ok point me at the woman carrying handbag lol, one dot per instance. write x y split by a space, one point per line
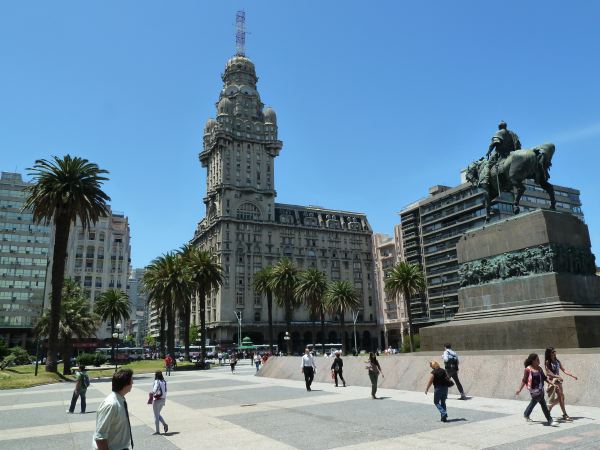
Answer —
158 398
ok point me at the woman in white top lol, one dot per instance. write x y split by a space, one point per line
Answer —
159 391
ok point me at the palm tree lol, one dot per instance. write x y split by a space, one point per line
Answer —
113 306
406 279
261 285
152 285
311 288
75 320
284 277
206 275
62 191
340 297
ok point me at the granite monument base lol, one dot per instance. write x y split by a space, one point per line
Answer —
525 282
565 329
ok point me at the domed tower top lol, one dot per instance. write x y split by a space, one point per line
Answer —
270 116
224 106
240 70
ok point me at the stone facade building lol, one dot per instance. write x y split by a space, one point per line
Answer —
432 226
247 230
392 311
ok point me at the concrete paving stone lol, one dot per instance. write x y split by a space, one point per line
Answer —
49 415
142 439
245 397
581 437
351 422
199 384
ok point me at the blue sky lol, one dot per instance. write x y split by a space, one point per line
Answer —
375 104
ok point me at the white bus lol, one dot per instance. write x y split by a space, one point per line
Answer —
329 348
211 351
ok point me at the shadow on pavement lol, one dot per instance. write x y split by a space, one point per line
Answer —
462 419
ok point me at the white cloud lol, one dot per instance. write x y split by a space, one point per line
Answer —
578 134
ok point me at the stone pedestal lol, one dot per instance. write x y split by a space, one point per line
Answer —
526 282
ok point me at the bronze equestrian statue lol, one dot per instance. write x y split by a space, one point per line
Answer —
510 170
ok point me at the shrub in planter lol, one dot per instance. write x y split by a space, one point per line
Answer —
87 359
21 356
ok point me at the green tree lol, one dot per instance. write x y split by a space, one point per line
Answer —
152 285
342 296
62 191
408 280
150 341
284 277
113 306
261 284
206 276
76 320
311 288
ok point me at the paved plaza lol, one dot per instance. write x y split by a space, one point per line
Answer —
217 409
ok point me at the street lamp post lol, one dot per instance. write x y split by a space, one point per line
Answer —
238 315
355 318
287 338
443 298
116 333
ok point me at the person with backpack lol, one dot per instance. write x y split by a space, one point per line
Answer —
451 365
159 394
82 382
337 369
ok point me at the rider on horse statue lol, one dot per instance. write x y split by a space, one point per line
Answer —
504 142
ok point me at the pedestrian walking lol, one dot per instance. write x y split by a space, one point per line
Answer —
168 364
534 378
257 361
337 369
451 365
113 429
441 382
232 362
159 393
82 382
555 391
309 369
374 370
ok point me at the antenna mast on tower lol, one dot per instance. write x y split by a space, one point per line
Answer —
240 33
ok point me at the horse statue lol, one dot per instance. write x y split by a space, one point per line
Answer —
508 175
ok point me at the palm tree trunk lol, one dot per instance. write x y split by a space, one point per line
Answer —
343 332
202 308
409 317
61 239
112 337
186 330
323 331
161 333
170 330
66 354
288 322
270 319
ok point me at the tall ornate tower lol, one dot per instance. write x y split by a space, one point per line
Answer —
240 146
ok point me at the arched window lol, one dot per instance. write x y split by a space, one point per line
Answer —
248 211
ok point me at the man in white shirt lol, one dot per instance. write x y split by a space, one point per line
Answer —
308 368
113 429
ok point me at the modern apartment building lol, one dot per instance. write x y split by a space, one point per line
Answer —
24 249
247 230
431 227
